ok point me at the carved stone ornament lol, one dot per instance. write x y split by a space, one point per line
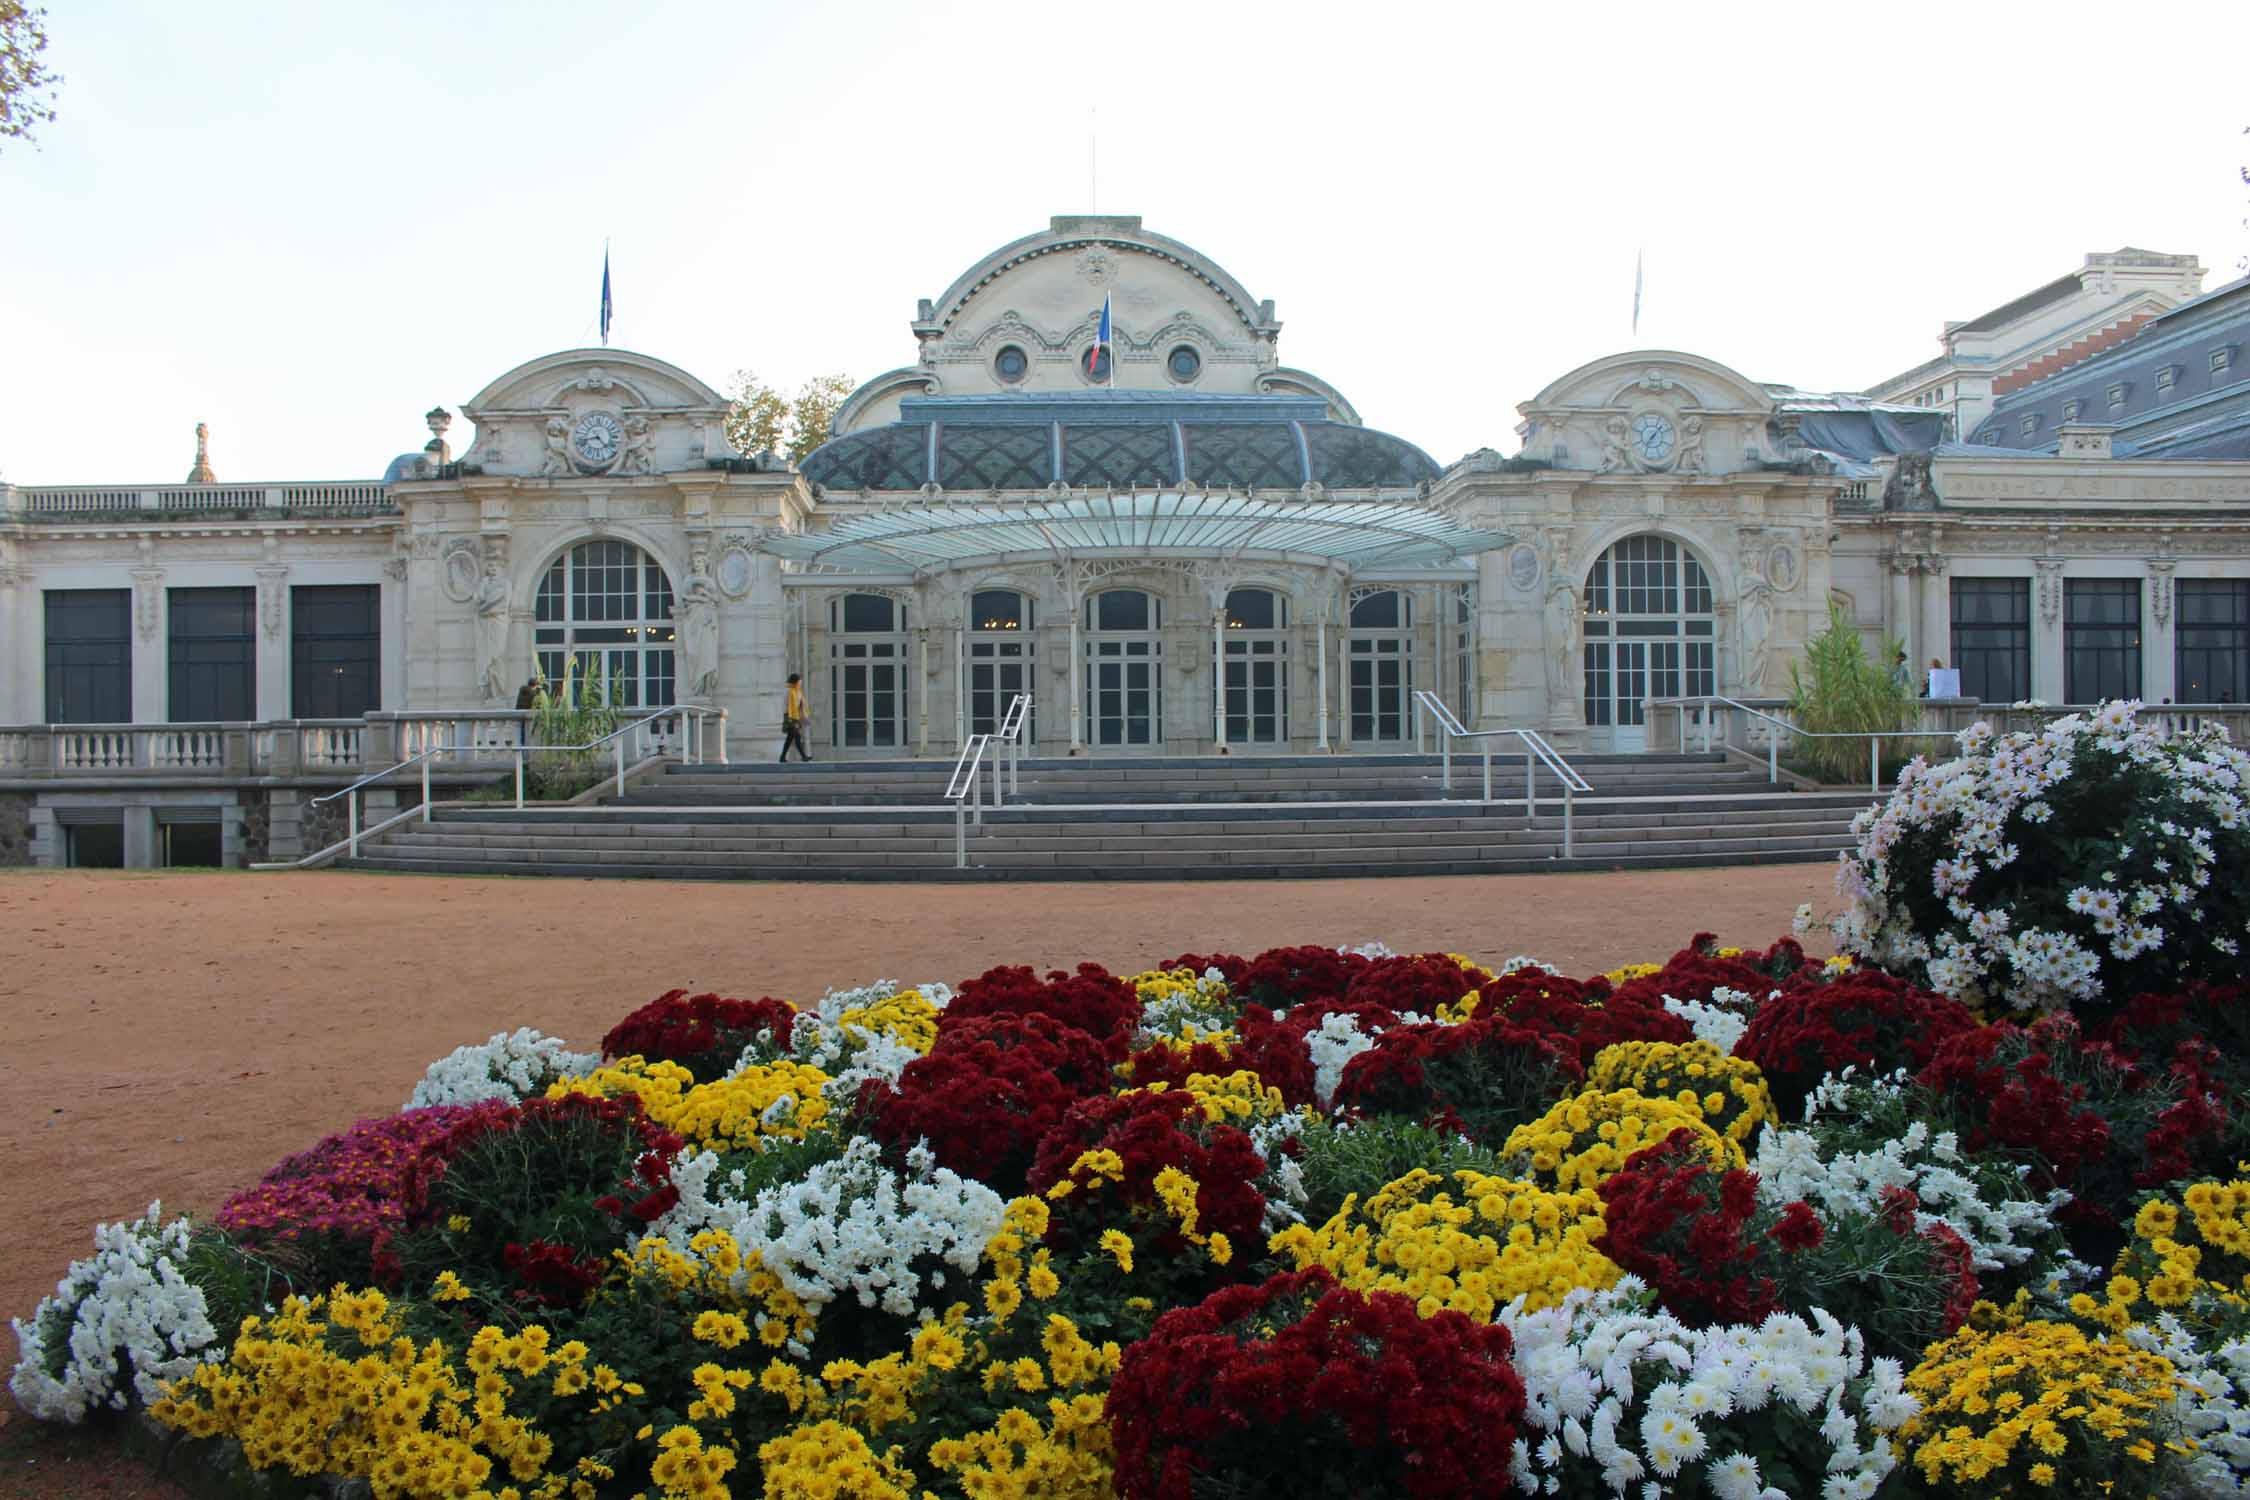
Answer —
2050 589
1097 265
1524 570
148 598
462 570
2160 589
1784 570
270 599
395 569
734 571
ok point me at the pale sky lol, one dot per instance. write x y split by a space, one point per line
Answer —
308 223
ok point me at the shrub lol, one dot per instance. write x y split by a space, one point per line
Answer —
2072 868
1340 1159
1300 1387
1864 1019
1480 1079
1092 999
702 1033
988 1092
1835 689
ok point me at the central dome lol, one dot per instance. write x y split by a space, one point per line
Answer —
1122 439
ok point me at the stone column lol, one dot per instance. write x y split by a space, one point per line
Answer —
1219 677
151 671
922 689
1937 617
18 678
2047 676
1320 676
961 682
272 671
2159 659
757 722
1900 619
1077 680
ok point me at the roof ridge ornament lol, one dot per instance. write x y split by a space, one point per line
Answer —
201 473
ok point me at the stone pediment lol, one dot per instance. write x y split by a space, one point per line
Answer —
1649 411
586 412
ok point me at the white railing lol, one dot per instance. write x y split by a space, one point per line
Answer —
72 500
1536 753
691 737
1735 716
166 747
1747 729
966 788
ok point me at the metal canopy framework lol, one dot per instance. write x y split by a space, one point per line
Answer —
1352 535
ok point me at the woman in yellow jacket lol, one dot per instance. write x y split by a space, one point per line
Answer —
793 720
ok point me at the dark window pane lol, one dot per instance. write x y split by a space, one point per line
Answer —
335 651
868 613
999 609
1992 638
89 656
1378 612
214 655
1253 609
2101 639
2212 651
1122 609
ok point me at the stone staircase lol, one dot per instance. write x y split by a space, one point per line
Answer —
1237 817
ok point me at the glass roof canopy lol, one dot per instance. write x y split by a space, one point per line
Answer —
1161 524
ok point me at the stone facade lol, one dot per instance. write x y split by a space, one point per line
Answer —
1666 526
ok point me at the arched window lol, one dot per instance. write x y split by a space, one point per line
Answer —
608 601
1650 632
1125 667
1379 652
1257 658
866 671
1001 654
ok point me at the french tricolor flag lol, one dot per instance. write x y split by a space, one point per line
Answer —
1102 345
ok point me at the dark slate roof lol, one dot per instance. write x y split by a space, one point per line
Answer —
2158 388
2030 302
1123 439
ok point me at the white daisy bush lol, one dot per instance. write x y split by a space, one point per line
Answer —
511 1067
851 1229
125 1322
1623 1399
2066 869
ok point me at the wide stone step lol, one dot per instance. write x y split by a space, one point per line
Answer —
1356 864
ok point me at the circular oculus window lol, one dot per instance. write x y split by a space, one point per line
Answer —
1011 364
1184 363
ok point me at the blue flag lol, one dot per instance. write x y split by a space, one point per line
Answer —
605 294
1102 346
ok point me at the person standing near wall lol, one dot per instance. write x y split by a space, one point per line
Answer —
793 720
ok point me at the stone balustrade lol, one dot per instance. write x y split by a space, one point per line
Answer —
109 502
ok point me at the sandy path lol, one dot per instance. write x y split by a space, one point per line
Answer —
175 1034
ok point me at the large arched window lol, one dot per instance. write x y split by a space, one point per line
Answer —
1001 654
867 671
1257 657
1125 667
1650 632
1379 656
608 602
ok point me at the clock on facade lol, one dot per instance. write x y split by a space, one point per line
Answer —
597 438
1653 439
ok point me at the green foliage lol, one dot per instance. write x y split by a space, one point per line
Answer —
26 87
762 420
1339 1160
1837 690
578 710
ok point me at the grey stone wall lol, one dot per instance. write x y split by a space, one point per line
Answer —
15 828
257 825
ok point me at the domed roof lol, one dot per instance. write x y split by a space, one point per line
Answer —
1124 439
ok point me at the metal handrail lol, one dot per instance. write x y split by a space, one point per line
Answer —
1537 752
690 743
1704 703
965 789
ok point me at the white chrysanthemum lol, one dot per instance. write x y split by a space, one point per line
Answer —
512 1066
130 1320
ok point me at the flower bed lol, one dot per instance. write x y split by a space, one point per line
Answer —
1315 1221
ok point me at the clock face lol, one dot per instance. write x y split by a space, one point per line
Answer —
1652 438
597 437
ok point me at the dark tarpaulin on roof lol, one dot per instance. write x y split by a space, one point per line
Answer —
1869 435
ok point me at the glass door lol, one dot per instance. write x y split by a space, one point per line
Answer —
1257 667
1124 669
